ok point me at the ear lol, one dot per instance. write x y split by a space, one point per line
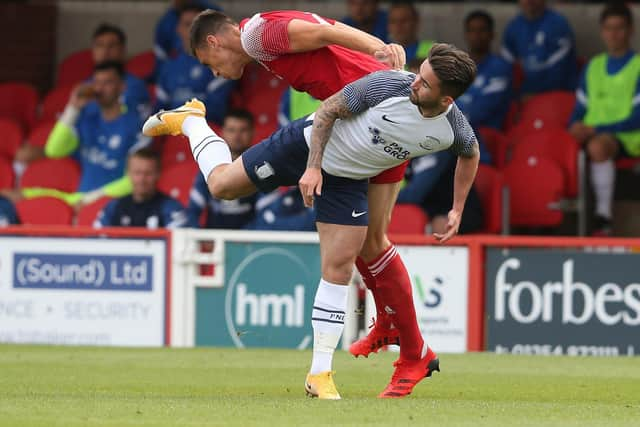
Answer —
446 101
212 41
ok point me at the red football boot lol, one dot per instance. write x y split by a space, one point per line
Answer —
408 373
377 338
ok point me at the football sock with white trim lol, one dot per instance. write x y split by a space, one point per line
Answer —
327 320
208 149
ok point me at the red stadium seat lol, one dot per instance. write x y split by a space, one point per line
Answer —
61 174
535 185
550 109
75 68
7 176
497 143
554 144
176 150
54 102
142 65
19 102
11 137
177 180
88 214
40 133
44 211
489 185
628 163
408 219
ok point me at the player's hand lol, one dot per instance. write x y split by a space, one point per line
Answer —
393 55
452 227
81 95
310 185
581 132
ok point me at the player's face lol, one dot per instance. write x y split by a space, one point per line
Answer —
478 35
238 133
403 25
218 55
184 25
362 10
532 8
107 86
425 89
616 34
107 47
144 175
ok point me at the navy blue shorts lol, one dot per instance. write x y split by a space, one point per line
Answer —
281 159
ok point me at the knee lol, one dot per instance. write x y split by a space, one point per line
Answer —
220 189
599 148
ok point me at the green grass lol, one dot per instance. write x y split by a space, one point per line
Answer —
61 386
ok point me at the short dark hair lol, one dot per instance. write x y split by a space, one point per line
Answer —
480 14
454 68
116 66
616 8
190 7
405 3
147 153
238 113
106 28
206 23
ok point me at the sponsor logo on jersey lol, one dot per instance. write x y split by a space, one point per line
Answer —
430 143
393 149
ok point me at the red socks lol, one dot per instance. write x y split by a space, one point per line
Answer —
370 282
394 298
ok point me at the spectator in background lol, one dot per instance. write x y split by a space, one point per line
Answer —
167 42
606 119
404 23
283 210
99 132
110 44
486 102
367 16
184 77
145 206
542 41
237 131
8 214
429 184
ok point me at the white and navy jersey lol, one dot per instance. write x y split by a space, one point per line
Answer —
388 129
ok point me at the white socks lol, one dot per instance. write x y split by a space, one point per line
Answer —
209 150
603 179
327 320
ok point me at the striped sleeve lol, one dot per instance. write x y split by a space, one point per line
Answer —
374 88
465 143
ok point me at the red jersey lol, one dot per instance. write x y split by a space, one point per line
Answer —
321 72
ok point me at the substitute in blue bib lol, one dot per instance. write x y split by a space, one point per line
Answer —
606 119
146 206
184 77
404 24
543 42
486 102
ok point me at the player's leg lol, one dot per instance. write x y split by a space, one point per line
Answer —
341 236
602 149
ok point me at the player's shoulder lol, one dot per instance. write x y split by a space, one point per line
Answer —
499 64
555 18
457 120
391 78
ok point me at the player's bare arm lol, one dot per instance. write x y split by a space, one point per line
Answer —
305 36
333 108
466 169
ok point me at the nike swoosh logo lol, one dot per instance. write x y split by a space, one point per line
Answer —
386 119
357 214
159 114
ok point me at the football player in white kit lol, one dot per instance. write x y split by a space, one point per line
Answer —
373 124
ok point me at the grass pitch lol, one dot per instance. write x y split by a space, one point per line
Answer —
62 386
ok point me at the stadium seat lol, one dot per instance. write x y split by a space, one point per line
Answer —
488 184
54 102
554 144
44 211
88 214
75 68
142 65
496 143
176 150
40 133
550 109
7 176
61 174
176 181
628 163
11 137
535 184
408 219
19 102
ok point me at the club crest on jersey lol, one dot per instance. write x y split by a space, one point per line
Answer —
430 143
264 171
375 136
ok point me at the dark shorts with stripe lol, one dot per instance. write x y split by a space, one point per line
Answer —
281 159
